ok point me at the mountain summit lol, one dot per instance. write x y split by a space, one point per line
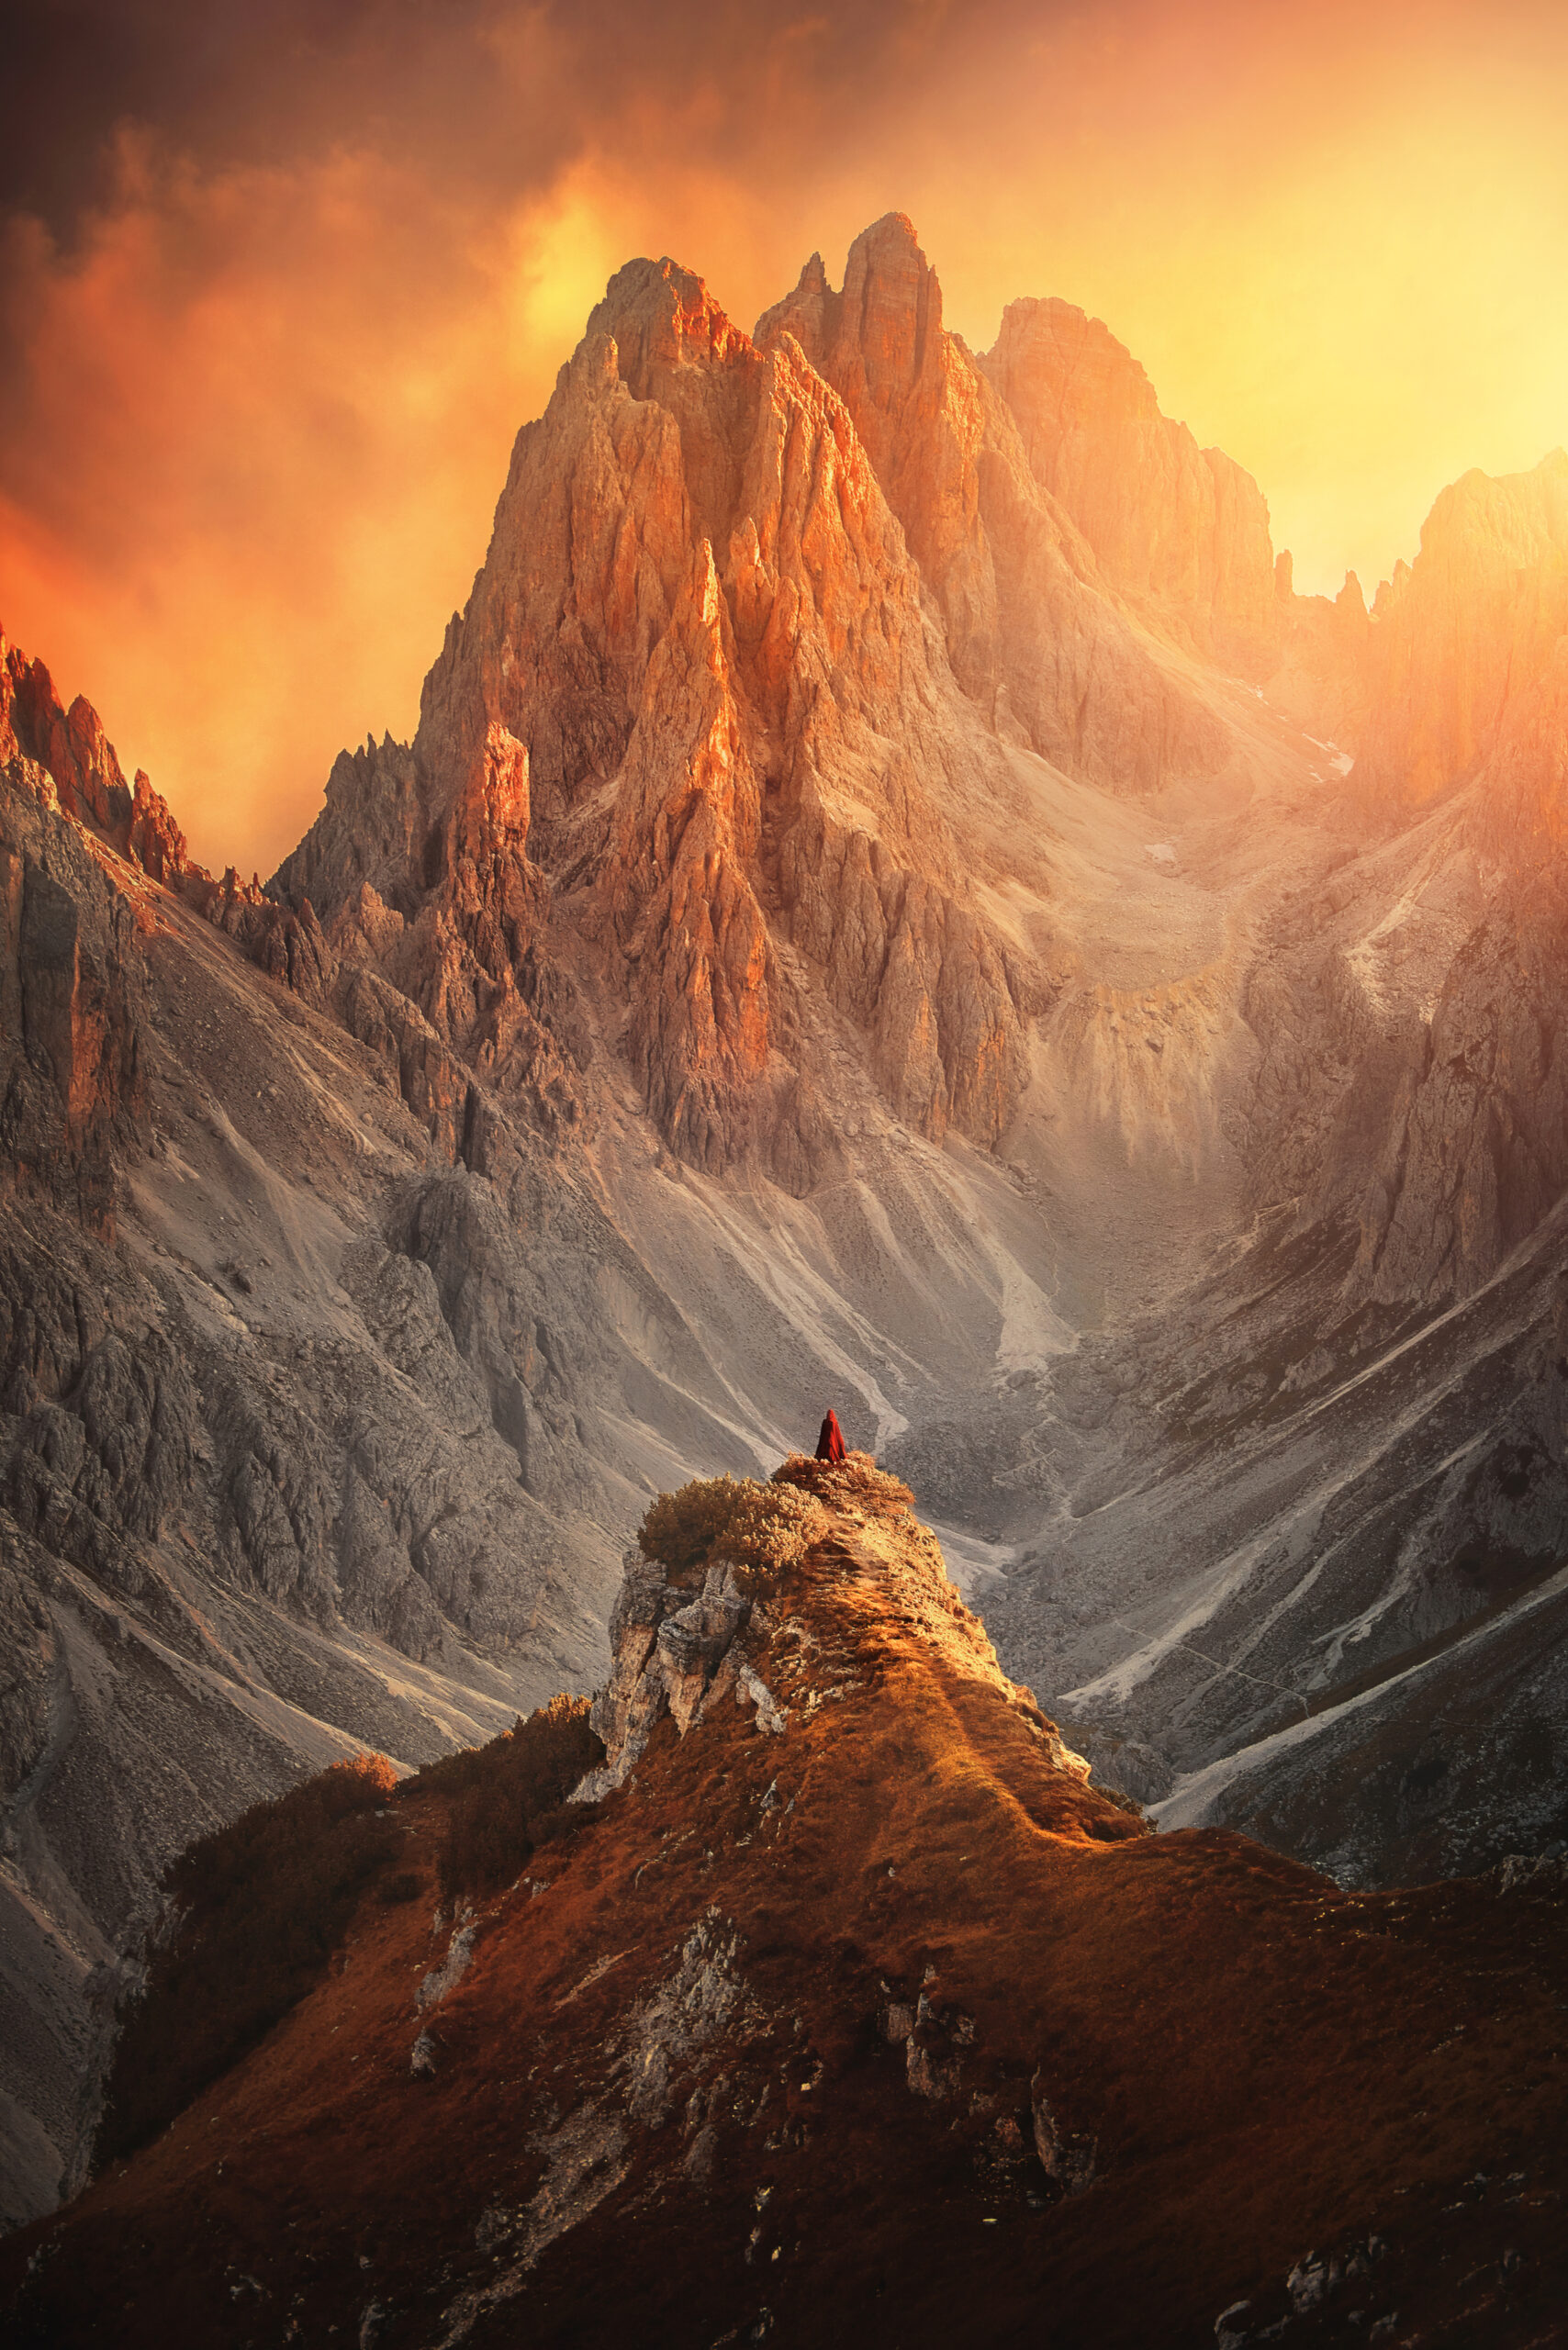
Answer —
756 767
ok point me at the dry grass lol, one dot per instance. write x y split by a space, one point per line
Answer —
507 1798
258 1909
855 1482
763 1528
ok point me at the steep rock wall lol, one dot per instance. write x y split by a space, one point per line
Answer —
1181 532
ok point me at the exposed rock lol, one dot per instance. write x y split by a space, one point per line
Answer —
665 1648
448 1975
1321 680
699 617
1181 532
1533 1873
1028 637
73 1002
65 762
1231 2327
693 1641
681 2018
751 1689
585 2161
1460 635
1066 2158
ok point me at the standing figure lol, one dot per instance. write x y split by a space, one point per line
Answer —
830 1444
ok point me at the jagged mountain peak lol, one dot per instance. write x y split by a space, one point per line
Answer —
701 618
1097 373
1181 532
1461 636
661 315
886 320
894 289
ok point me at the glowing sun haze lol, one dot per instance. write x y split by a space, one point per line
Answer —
278 285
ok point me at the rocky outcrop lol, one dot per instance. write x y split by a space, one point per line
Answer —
1031 635
1320 681
671 1650
72 1003
372 832
1182 533
64 762
73 749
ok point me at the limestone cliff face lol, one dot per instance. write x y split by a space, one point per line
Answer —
1432 984
1181 532
79 773
1526 802
733 740
1031 634
1461 633
71 1003
1411 1079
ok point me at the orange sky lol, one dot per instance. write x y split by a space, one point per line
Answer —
271 317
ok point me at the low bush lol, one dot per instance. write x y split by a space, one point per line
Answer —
763 1528
258 1909
506 1798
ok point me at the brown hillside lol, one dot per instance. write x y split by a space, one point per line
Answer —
879 2025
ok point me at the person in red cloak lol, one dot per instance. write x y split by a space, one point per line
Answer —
830 1444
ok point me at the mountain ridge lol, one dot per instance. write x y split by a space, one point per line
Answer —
855 1990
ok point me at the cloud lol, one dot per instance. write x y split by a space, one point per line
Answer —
259 419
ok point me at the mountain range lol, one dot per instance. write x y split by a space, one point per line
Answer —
894 901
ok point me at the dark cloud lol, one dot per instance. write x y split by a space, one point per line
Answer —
488 91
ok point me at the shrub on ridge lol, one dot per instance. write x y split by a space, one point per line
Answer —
762 1528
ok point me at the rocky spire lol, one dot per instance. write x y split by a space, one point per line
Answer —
1031 634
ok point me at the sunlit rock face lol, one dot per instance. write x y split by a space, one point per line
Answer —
701 629
1181 532
1031 635
1462 636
